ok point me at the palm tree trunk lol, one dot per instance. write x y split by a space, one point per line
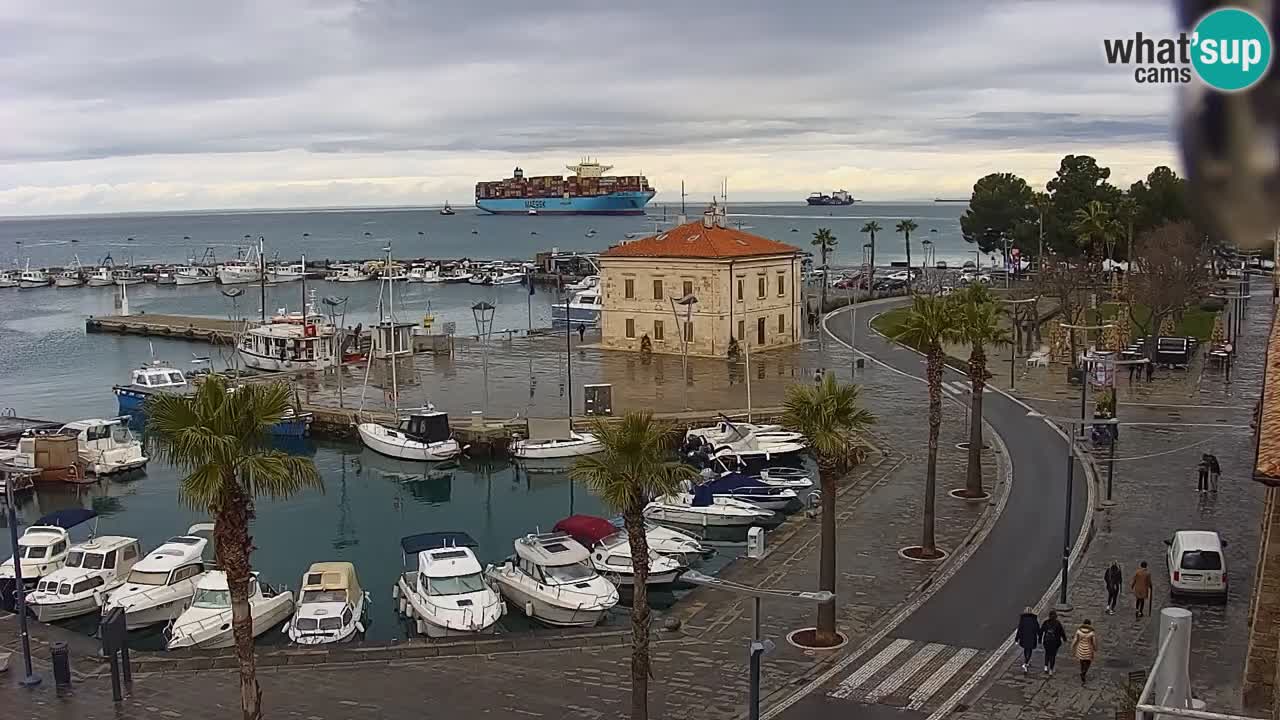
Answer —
978 381
633 521
934 362
909 278
823 309
871 272
826 627
231 529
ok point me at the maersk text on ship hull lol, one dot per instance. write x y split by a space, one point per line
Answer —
618 203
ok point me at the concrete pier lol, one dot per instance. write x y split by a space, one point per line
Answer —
189 327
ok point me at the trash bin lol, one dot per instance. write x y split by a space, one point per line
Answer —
61 658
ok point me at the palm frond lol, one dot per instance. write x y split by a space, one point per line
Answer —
276 475
633 466
827 414
930 322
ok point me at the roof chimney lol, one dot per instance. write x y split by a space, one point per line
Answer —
721 217
709 217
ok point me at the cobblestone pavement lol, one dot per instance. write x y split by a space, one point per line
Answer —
1154 486
698 673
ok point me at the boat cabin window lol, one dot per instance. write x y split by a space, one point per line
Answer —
187 572
331 623
175 378
129 552
324 596
119 433
89 561
97 432
64 589
110 564
140 379
456 585
88 584
347 616
619 561
563 574
36 553
212 599
74 558
59 547
142 577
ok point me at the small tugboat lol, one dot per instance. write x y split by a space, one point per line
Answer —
331 606
93 569
447 594
206 623
550 579
446 210
160 585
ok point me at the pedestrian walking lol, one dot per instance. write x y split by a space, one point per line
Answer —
1028 635
1202 474
1085 647
1113 577
1141 586
1052 635
1132 370
1215 471
582 332
1151 371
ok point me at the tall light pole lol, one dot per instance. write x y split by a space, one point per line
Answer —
11 473
482 313
1063 606
688 302
1084 372
1115 435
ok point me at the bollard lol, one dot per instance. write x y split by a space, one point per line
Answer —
61 658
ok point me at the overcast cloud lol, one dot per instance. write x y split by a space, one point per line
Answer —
140 105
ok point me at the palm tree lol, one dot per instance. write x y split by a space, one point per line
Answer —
829 416
871 228
220 440
979 318
906 227
633 468
1094 225
930 322
825 242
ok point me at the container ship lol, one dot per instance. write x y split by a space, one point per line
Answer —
587 192
838 197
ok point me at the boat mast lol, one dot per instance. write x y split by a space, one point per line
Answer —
304 289
568 358
391 318
262 279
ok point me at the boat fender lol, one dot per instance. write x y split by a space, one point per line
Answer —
528 608
421 626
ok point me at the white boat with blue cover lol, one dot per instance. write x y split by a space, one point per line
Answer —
741 487
447 594
703 508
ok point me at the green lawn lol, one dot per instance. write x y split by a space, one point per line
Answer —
890 323
1196 322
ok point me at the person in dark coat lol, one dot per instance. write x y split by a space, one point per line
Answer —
1202 474
1113 578
1215 471
1151 371
1052 635
1028 635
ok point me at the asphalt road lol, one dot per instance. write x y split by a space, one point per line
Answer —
979 606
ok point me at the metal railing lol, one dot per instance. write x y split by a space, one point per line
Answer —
1169 682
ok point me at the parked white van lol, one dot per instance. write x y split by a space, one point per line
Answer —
1197 565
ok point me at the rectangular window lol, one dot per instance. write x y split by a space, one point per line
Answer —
657 289
629 289
782 285
782 323
688 331
631 327
760 293
741 292
760 332
688 288
742 329
657 330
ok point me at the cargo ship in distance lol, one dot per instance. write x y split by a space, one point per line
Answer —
587 192
838 197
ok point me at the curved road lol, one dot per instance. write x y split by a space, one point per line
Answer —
920 669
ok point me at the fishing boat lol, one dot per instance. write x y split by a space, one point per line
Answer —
610 551
127 276
71 276
307 343
106 447
42 549
419 273
480 278
447 594
30 279
446 210
583 309
198 273
246 268
703 508
752 490
167 276
92 570
331 606
104 274
549 578
206 623
160 586
423 435
8 279
455 274
553 439
286 272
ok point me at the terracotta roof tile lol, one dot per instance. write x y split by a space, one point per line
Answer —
694 240
1267 465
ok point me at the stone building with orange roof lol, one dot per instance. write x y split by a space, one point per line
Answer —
1262 665
703 281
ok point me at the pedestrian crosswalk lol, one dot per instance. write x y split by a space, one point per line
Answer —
908 674
956 387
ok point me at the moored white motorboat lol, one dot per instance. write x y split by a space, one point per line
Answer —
194 275
506 277
246 268
8 279
42 549
786 477
423 435
423 274
589 282
106 447
103 275
349 273
331 606
161 584
550 581
447 594
206 623
127 276
554 438
702 508
610 552
286 272
92 570
455 275
29 279
725 432
71 276
584 307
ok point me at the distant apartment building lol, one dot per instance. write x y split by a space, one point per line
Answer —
704 282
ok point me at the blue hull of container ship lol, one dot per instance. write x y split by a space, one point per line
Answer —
619 203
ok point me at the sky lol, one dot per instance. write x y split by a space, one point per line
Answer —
136 105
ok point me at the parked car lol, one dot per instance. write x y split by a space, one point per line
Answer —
970 278
1197 565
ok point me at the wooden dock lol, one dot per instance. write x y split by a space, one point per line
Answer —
187 327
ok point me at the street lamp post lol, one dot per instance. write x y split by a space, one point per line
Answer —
1084 378
11 474
1115 437
482 313
1063 606
758 644
688 302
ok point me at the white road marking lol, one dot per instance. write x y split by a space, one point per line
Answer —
904 673
940 678
871 667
